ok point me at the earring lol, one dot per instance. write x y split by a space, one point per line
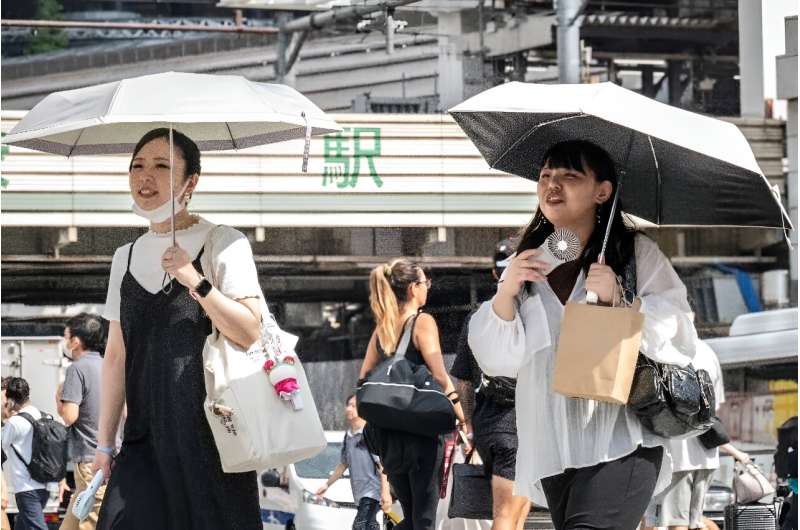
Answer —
597 215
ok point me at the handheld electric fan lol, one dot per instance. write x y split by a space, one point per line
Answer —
84 502
560 247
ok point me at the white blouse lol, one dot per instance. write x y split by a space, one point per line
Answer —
228 265
556 432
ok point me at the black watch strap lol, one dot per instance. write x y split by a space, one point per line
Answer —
203 288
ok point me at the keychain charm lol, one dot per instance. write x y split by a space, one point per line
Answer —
283 376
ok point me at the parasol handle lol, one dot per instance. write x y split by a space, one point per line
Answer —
171 187
591 296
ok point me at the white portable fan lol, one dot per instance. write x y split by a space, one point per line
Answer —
560 247
85 501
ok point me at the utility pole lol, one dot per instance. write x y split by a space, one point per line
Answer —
299 28
568 43
390 30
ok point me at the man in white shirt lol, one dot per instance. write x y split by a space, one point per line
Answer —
17 441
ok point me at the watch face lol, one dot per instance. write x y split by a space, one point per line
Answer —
204 287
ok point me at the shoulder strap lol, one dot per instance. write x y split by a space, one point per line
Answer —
400 352
130 254
208 245
629 279
27 417
30 419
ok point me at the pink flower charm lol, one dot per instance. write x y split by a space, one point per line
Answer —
287 386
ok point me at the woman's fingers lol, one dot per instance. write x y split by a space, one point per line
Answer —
525 254
533 276
534 264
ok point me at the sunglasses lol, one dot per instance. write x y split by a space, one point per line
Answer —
426 283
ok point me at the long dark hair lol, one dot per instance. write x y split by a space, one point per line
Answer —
580 156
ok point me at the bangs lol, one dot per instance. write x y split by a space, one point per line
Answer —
579 155
564 156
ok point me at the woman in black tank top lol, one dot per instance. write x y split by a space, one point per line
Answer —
412 463
168 475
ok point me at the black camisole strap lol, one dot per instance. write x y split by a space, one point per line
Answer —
130 255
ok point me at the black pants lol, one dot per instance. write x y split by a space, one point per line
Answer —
609 496
31 510
366 514
788 517
418 492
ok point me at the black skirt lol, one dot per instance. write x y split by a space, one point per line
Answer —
168 474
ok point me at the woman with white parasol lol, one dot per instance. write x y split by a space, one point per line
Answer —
168 474
160 305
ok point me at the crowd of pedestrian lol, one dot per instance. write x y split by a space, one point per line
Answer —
30 437
591 463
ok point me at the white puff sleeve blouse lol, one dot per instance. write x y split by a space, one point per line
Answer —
556 432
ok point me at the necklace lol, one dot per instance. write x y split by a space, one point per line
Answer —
190 222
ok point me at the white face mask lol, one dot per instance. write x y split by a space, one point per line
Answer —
162 213
65 351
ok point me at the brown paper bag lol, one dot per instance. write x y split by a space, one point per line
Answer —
597 351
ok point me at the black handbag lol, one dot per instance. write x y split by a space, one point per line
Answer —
471 497
403 396
715 436
669 400
501 390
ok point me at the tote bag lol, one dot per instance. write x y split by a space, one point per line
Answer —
597 351
253 427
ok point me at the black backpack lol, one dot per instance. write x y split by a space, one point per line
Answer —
50 448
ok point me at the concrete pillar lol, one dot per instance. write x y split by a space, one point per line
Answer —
791 179
751 59
568 43
451 59
648 88
675 89
786 69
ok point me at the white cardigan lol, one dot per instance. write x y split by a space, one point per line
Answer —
556 432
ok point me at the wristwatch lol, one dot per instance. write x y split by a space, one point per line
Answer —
203 288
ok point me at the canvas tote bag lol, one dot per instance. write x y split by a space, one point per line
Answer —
597 351
253 427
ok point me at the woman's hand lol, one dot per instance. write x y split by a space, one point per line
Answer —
322 489
178 264
602 280
524 267
102 461
465 433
